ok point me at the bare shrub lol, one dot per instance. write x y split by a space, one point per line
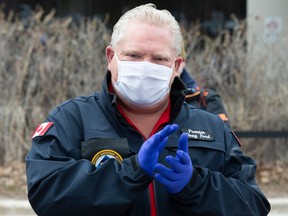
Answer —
42 65
252 85
51 60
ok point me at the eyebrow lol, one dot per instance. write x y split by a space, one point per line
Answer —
161 55
131 51
154 55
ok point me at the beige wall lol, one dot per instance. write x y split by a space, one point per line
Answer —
267 24
268 8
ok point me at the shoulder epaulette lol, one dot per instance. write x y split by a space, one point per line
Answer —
191 93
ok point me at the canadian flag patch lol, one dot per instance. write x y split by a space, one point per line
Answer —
42 129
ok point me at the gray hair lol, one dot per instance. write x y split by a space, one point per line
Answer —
147 13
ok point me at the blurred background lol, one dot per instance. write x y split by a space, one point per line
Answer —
53 50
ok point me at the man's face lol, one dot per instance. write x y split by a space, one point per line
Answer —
144 42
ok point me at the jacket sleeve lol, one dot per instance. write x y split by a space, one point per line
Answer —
231 192
60 182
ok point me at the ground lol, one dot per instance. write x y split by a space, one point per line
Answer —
271 178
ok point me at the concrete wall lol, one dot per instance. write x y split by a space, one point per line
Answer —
267 24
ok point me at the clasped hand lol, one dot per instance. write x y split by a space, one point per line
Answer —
181 171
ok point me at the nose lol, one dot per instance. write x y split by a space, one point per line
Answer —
147 59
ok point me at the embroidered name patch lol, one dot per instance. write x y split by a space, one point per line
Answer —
103 155
199 134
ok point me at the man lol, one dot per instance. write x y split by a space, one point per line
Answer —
109 153
203 98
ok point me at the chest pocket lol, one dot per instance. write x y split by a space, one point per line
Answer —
206 154
97 150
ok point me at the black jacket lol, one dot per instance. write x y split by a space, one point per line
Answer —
62 180
208 100
203 98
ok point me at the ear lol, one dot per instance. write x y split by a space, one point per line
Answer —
109 55
178 63
180 69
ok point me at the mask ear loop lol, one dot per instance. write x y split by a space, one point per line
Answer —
173 66
118 61
116 56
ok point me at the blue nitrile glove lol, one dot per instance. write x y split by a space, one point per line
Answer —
176 178
152 147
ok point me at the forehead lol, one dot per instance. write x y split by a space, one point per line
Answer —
145 36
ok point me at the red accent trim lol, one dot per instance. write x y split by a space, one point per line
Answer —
164 118
202 101
235 136
110 88
127 119
153 210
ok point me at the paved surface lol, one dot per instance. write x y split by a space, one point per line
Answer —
279 206
10 207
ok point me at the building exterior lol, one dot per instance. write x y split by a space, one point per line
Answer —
267 20
267 30
269 23
213 13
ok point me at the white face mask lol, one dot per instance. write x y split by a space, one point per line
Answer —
142 83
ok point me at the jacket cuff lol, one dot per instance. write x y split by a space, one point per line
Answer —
187 190
139 172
